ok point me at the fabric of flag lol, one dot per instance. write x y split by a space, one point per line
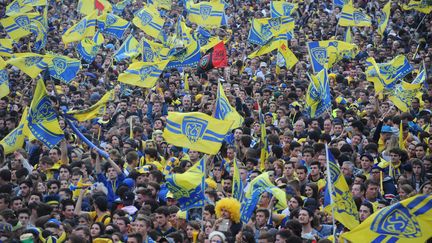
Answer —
6 47
318 98
210 43
42 118
15 139
19 25
143 74
203 36
186 57
153 51
34 2
87 7
188 188
30 63
351 16
285 57
348 38
88 48
196 131
130 48
339 197
340 3
421 77
149 21
216 58
262 30
281 8
39 28
17 7
224 110
237 187
112 24
119 7
418 5
165 4
62 67
403 94
406 221
385 75
206 14
384 18
4 79
84 28
401 137
264 143
256 187
94 111
270 46
323 54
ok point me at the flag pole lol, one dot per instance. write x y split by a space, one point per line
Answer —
418 26
329 185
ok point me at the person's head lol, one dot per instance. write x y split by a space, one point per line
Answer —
55 154
261 217
134 238
68 207
372 189
358 190
305 216
191 227
315 168
301 172
366 209
141 225
97 229
420 150
295 202
53 187
228 208
25 188
23 216
162 214
4 201
217 237
289 169
83 231
16 203
101 203
123 224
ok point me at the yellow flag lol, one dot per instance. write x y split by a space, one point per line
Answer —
401 137
95 110
149 21
285 57
384 18
4 79
6 47
224 110
17 7
143 74
206 14
19 25
84 28
403 94
418 5
210 44
15 139
196 131
351 16
87 7
30 63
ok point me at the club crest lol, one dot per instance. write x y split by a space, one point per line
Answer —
359 17
43 112
11 139
110 20
320 55
4 76
145 17
223 108
194 128
148 55
145 72
396 220
275 23
59 65
23 22
80 27
14 7
287 8
205 11
31 61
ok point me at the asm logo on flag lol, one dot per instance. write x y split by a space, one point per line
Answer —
359 17
11 139
23 22
14 7
205 11
146 71
194 128
287 9
31 61
81 27
145 18
320 54
110 20
59 65
4 76
43 112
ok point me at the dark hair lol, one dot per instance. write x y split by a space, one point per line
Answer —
369 205
263 210
101 203
137 236
162 210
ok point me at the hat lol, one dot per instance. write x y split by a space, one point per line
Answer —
386 129
170 195
129 182
157 132
263 64
181 214
269 114
217 233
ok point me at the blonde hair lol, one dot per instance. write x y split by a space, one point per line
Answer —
231 205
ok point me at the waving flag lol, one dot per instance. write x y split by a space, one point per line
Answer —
264 29
130 48
196 131
87 7
323 54
318 98
224 110
403 94
418 5
257 186
216 58
339 196
30 63
119 7
153 52
188 56
281 8
384 18
88 48
285 57
17 7
206 14
42 118
4 79
340 3
113 25
237 187
63 68
143 74
405 221
351 16
6 47
264 143
84 28
15 139
94 111
149 21
18 26
188 187
165 4
39 28
268 47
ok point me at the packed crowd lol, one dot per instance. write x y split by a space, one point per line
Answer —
70 193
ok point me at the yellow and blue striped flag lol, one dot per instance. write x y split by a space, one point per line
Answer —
42 118
19 25
39 27
403 94
17 7
264 29
87 7
30 63
149 21
418 5
385 75
62 67
112 24
384 18
338 199
6 47
152 51
15 139
196 131
185 49
318 97
84 28
340 3
281 8
88 48
237 187
165 4
285 57
224 110
206 14
406 221
119 7
323 54
188 187
4 79
348 36
130 48
351 16
94 111
143 74
270 46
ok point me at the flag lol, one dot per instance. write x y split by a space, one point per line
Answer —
401 137
15 139
403 93
165 4
149 21
285 57
338 200
384 18
318 98
87 7
188 187
130 48
186 57
30 63
418 5
204 36
206 14
323 54
42 118
351 16
6 47
17 7
196 131
280 8
224 110
153 51
88 48
39 28
93 111
34 2
256 187
264 142
237 187
406 221
210 43
119 7
340 3
216 58
385 75
62 67
84 28
262 30
270 46
421 76
18 26
348 35
143 74
112 24
4 79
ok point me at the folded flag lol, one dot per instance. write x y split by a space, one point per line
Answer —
318 97
143 74
224 110
384 18
94 111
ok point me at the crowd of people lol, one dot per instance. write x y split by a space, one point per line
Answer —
70 193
